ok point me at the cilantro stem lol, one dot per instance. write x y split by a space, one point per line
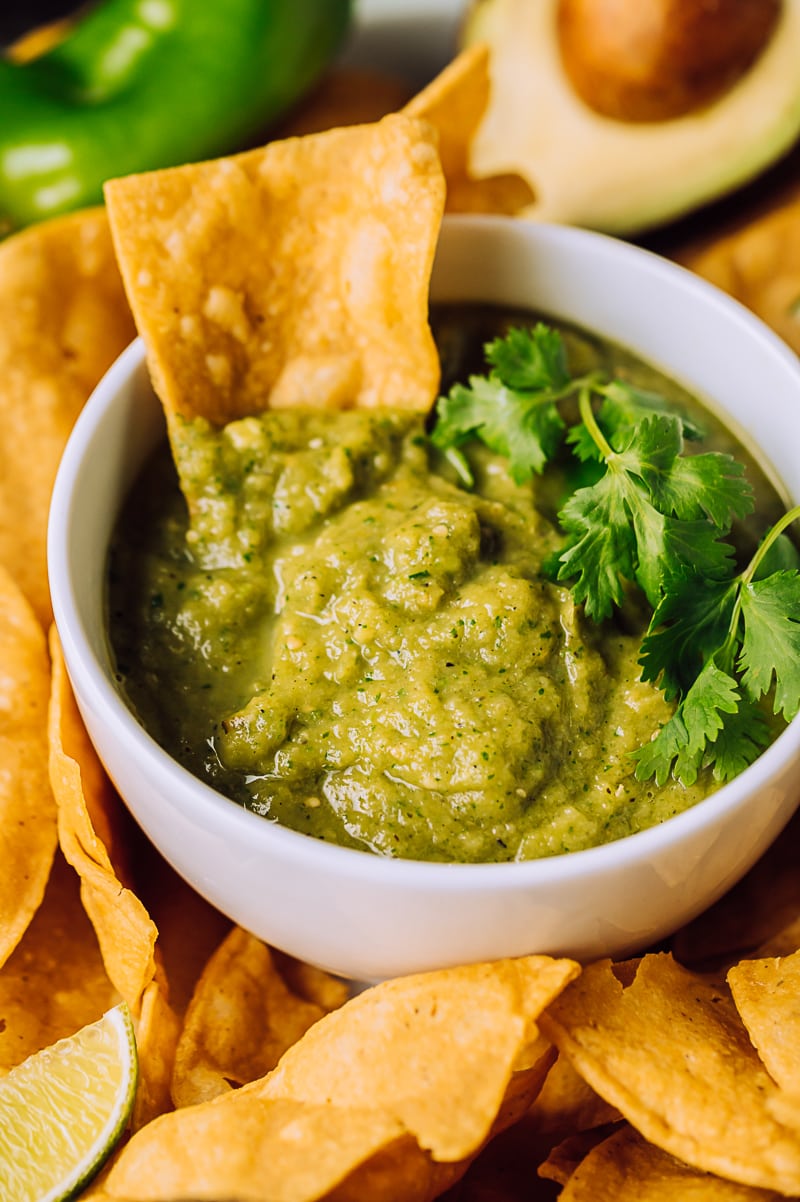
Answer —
790 516
455 458
588 418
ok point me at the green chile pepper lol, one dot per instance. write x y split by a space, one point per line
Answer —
140 84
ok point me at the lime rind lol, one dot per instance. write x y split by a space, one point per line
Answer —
63 1110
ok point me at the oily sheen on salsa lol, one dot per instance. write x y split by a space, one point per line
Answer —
347 641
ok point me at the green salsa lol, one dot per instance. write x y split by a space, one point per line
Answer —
345 640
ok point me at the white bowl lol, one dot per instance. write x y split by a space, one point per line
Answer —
368 917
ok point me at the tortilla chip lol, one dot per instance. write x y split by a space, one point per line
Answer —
566 1156
395 1092
767 996
625 1168
760 266
345 96
63 320
311 983
249 1149
671 1053
55 982
245 298
189 928
568 1104
157 1030
477 1022
86 822
240 1021
27 808
454 103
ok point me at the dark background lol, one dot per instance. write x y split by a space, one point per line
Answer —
18 16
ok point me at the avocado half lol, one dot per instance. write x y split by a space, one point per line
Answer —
617 176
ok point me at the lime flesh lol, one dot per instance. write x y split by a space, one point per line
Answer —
63 1109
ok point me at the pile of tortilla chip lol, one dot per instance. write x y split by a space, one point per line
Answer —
264 1079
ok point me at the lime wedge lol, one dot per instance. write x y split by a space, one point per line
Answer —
63 1109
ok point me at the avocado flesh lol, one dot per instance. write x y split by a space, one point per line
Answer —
621 177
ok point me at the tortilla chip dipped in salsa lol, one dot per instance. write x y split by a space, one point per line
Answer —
274 278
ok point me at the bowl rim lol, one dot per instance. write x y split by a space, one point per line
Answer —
213 811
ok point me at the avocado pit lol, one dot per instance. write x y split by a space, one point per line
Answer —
660 59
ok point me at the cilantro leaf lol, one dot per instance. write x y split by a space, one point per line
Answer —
643 512
771 642
690 487
649 450
583 444
601 549
743 737
690 623
659 547
711 484
624 406
524 429
695 548
512 410
680 746
530 360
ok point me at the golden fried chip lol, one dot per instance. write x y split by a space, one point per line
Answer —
568 1104
345 96
55 981
454 103
189 928
477 1022
27 808
671 1053
767 996
242 1148
86 821
625 1168
565 1157
394 1092
246 298
157 1030
311 983
240 1021
63 320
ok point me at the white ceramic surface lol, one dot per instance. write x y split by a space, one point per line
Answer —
355 913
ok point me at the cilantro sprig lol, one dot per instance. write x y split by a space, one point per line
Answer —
513 408
719 641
